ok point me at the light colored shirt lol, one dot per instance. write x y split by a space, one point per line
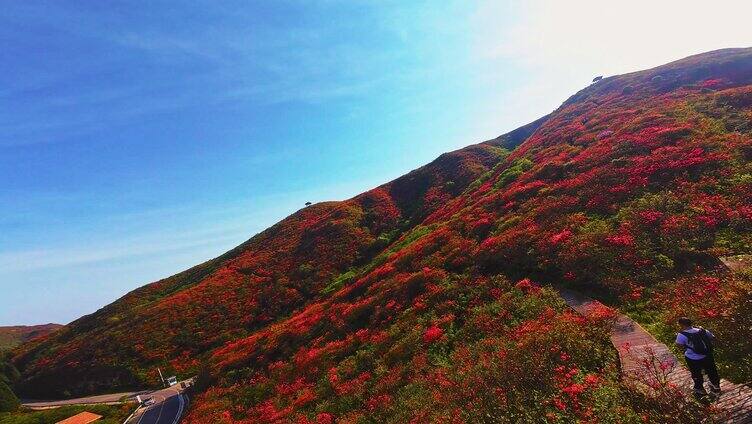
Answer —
684 340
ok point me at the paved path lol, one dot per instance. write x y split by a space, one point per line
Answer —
738 262
646 360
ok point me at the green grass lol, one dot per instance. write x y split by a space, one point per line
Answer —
111 414
339 282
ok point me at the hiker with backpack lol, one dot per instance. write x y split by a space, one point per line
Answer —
697 344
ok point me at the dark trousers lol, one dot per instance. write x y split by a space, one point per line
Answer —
697 366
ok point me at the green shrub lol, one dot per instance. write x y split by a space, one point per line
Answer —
111 414
510 174
8 400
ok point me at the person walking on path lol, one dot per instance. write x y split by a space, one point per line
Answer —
697 344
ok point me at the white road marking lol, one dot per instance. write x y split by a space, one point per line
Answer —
161 408
163 397
180 409
161 405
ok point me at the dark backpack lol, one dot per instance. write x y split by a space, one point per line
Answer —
699 342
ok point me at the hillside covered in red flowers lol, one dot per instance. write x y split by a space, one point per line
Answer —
426 299
175 322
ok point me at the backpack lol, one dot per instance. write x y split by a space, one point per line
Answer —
699 342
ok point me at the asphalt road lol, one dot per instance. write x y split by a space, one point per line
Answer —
169 405
105 399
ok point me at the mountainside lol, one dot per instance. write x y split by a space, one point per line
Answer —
424 300
13 336
173 322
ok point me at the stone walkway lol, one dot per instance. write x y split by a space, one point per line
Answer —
644 359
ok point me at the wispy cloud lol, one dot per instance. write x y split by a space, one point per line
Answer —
67 257
234 57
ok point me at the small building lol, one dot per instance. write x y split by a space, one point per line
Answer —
82 418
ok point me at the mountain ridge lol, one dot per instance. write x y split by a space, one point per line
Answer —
14 335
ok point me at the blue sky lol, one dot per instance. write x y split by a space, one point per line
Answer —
140 138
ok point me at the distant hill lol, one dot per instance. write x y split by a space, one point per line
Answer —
13 336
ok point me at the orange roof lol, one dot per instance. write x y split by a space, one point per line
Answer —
82 418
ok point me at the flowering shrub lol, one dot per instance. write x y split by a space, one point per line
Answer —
668 402
432 334
491 366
